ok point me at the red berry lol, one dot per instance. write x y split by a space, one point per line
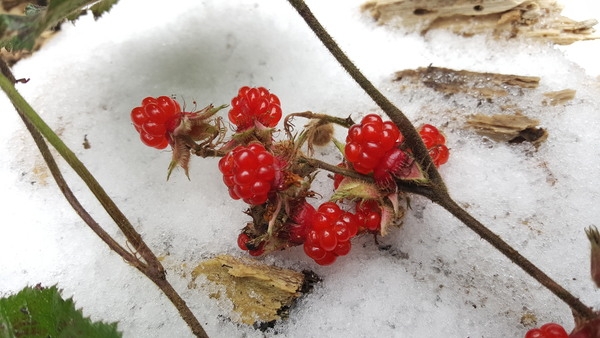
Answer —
155 119
368 213
439 154
369 141
395 162
250 173
330 234
328 259
549 330
435 143
302 217
373 147
431 135
242 240
254 105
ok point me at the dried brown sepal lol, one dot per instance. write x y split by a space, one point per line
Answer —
196 132
318 133
260 293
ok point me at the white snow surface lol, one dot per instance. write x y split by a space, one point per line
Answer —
438 279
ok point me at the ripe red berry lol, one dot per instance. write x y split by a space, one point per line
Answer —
330 234
254 105
368 213
435 143
301 217
155 119
368 142
242 242
549 330
250 173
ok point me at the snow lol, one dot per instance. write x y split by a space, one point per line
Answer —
438 279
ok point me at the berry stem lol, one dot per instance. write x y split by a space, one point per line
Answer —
151 267
406 186
321 118
436 190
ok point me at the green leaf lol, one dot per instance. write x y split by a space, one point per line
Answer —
102 7
19 32
42 312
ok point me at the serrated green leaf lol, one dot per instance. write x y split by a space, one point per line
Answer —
42 312
102 7
19 32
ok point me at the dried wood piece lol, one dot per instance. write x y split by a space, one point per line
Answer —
539 19
260 293
480 85
559 97
508 128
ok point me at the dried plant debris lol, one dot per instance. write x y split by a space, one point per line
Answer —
508 128
502 93
539 19
559 97
479 85
260 293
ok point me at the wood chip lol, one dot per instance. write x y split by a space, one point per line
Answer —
539 19
508 128
559 97
480 85
260 293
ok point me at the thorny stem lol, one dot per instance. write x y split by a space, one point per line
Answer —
437 191
152 268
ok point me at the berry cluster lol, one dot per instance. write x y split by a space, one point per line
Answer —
371 142
269 177
155 119
549 330
435 143
254 105
330 234
250 172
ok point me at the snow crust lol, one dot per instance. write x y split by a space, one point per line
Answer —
438 278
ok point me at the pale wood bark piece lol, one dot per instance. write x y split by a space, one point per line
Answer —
508 128
260 293
477 84
559 97
538 19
